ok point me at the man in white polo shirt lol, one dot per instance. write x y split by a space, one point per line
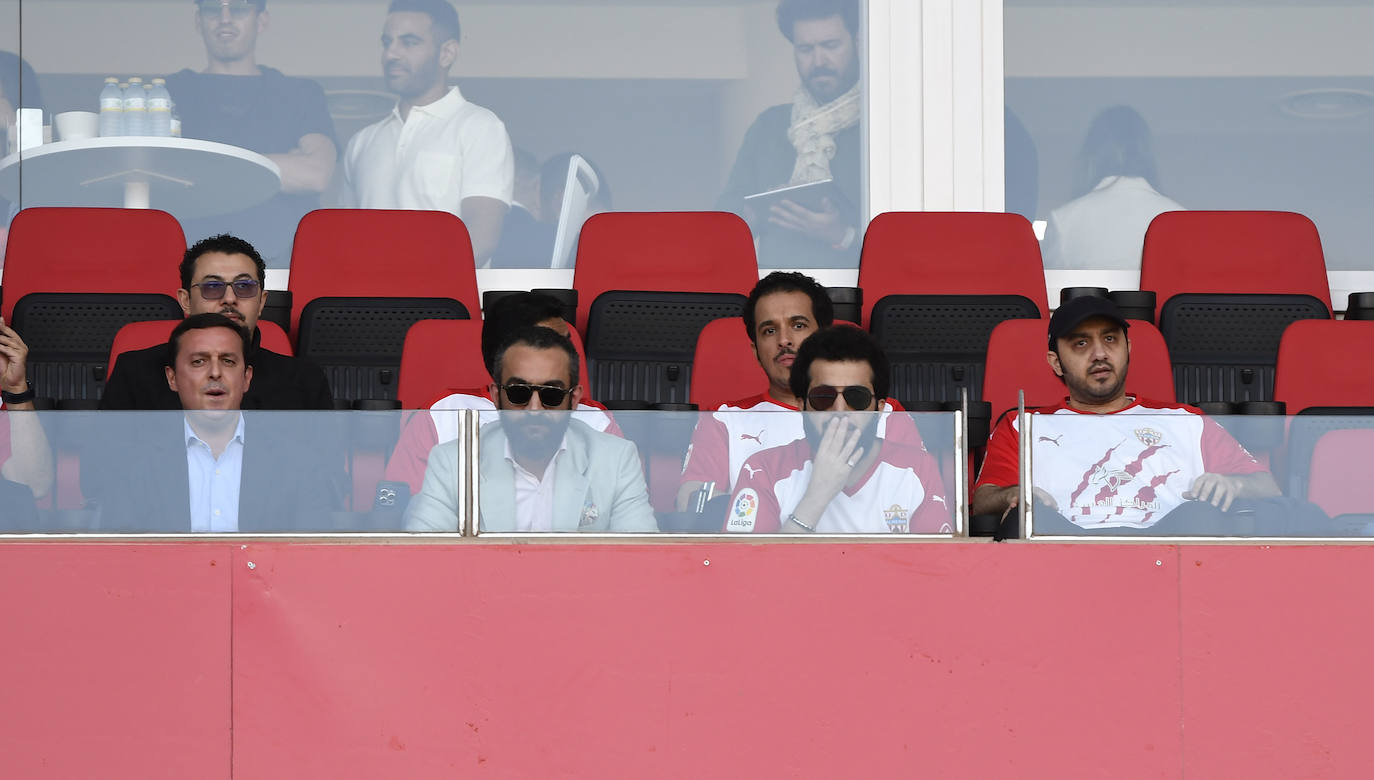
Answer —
435 150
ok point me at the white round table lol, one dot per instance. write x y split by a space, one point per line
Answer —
187 177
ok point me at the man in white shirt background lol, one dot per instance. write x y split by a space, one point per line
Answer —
435 150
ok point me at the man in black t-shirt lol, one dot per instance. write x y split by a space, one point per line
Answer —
236 101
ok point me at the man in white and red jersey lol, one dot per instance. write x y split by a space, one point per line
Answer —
841 476
1130 471
420 432
782 311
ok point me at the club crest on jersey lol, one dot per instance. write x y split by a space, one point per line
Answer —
898 519
744 512
1148 436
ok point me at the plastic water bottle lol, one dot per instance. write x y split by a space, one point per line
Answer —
176 121
159 109
135 108
111 108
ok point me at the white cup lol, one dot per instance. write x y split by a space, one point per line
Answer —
78 125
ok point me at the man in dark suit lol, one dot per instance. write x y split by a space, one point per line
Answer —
214 469
221 274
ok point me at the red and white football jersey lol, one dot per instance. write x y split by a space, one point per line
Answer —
725 438
901 493
1125 469
422 431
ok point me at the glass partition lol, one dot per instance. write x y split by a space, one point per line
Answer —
551 112
1180 474
210 472
654 471
1137 108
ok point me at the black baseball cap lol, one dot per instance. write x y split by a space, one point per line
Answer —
1074 311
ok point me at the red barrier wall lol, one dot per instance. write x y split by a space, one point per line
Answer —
797 660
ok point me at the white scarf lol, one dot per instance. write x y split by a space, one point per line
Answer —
813 130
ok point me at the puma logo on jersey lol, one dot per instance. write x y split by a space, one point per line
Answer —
747 436
752 471
1051 439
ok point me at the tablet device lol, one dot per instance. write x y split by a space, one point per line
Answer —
808 196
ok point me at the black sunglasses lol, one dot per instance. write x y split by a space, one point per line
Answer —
213 289
550 396
822 397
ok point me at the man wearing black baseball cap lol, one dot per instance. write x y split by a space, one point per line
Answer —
1127 473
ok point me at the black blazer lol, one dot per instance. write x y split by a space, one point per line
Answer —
292 477
139 381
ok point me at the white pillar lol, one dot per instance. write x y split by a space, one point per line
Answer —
935 132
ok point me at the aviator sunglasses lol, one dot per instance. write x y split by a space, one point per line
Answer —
822 397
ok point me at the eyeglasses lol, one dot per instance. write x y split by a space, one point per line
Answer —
211 9
822 397
550 396
213 289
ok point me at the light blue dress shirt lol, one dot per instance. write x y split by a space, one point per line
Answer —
214 482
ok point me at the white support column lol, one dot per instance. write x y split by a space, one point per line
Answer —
935 132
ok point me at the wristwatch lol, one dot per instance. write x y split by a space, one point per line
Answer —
11 399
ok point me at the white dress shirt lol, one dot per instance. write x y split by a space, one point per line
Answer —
534 495
214 482
432 159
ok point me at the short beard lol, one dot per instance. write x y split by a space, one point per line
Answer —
1090 392
525 443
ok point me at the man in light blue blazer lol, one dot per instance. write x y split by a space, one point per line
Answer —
540 470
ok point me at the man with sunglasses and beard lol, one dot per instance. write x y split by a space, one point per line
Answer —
221 274
540 469
1140 462
842 477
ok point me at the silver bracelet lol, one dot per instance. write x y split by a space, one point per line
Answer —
793 519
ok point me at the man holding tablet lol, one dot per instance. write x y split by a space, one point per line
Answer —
809 148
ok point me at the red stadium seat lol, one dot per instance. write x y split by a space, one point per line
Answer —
74 276
150 333
647 284
725 368
78 250
1338 477
1016 361
361 277
1227 284
1320 364
935 284
440 356
950 253
1256 252
697 251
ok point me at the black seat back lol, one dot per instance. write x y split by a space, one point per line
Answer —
69 336
640 344
1224 346
938 344
358 341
